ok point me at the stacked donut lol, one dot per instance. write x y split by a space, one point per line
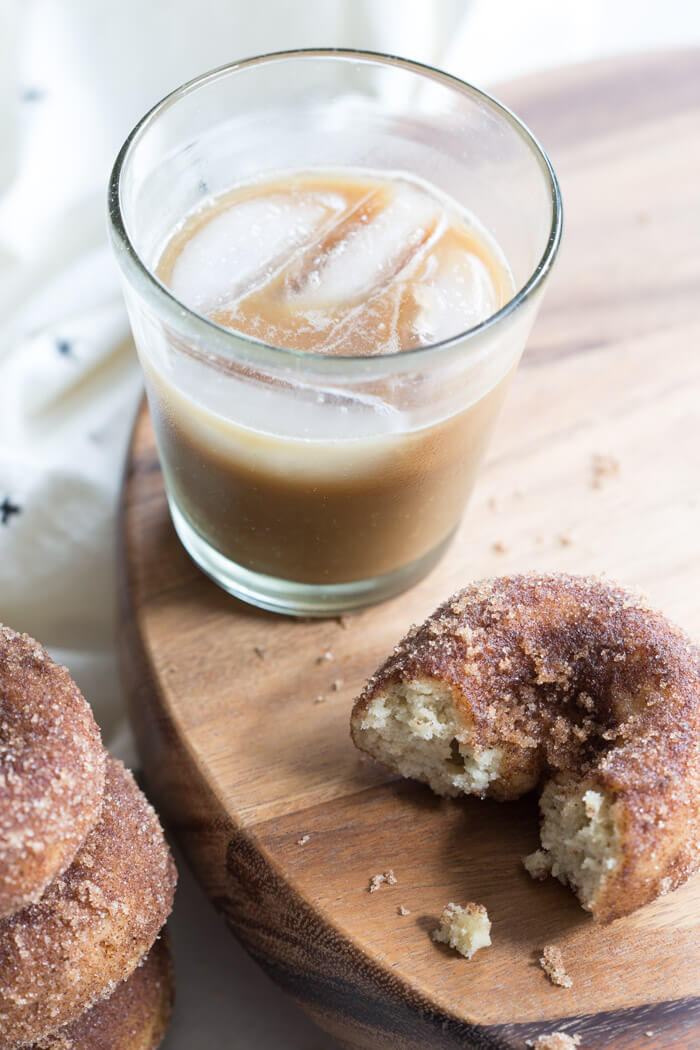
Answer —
86 877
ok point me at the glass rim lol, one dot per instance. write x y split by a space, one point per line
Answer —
130 260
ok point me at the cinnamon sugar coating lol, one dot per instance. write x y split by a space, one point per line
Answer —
93 925
51 770
576 682
134 1017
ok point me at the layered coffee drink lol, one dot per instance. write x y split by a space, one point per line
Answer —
295 472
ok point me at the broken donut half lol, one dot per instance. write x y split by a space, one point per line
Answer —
573 685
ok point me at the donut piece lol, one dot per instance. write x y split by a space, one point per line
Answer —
134 1017
95 922
571 681
51 770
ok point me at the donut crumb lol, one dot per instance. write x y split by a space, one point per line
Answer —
604 466
552 962
388 879
538 865
466 929
554 1041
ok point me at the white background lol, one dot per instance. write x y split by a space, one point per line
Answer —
74 77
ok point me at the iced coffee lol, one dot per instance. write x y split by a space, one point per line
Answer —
331 262
337 264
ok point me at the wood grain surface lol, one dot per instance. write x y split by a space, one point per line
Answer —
244 762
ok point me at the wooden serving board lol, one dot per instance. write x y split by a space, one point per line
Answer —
243 762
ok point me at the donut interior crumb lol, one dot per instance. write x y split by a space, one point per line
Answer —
412 728
555 1041
552 962
538 865
403 910
579 837
466 929
303 840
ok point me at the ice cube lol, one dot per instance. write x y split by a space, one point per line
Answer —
455 293
365 250
244 244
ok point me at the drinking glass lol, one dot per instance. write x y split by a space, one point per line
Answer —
304 483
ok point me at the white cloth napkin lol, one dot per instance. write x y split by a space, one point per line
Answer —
74 77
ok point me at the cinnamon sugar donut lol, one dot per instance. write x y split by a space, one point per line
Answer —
134 1017
94 923
51 770
568 681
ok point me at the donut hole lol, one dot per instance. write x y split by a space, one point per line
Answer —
580 840
411 728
